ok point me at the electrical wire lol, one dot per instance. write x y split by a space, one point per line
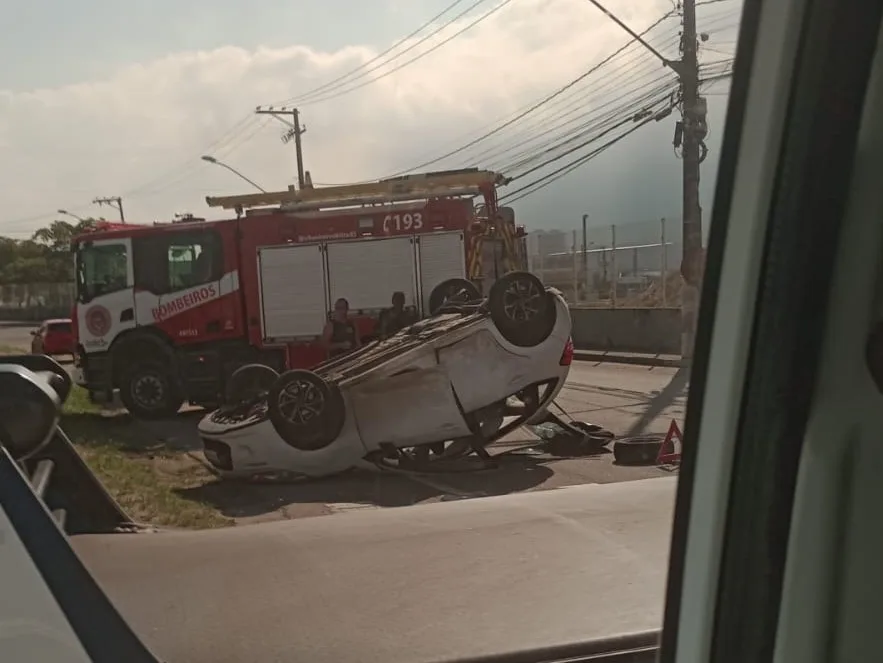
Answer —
537 127
586 118
498 150
536 105
635 107
555 175
416 58
339 81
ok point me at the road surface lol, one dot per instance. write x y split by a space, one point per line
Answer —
611 395
16 334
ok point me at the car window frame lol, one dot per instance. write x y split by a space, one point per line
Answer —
737 487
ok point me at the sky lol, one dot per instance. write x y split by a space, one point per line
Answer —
122 99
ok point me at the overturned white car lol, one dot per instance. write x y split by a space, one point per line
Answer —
445 386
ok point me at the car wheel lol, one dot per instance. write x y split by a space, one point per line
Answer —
248 382
148 391
522 310
452 291
307 412
642 450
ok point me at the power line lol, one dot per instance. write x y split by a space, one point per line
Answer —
630 111
569 167
535 106
416 58
585 118
333 83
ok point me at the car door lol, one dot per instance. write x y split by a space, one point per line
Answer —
776 545
105 291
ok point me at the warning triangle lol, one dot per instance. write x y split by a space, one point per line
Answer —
670 450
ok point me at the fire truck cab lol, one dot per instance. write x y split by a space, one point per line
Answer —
167 312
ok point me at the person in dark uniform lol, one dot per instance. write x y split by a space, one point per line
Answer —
394 319
340 335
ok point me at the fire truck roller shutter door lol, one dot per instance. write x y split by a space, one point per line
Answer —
293 291
366 272
442 256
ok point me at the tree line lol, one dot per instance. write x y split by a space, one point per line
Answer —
43 258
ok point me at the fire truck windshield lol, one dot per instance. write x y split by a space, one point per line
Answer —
101 269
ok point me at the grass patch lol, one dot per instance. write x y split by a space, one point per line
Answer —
143 475
11 350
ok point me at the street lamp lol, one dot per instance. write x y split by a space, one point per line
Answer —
211 159
66 213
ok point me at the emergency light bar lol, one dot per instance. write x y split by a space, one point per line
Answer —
445 184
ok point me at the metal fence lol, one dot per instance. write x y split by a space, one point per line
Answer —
36 301
622 265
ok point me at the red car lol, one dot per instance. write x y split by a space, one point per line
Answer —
54 337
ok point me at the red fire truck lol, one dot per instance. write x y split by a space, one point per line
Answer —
166 312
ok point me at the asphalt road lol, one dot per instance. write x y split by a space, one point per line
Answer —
610 395
16 334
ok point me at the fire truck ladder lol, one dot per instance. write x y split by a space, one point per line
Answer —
420 186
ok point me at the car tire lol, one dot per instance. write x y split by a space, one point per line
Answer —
642 450
320 418
148 390
452 291
521 309
248 382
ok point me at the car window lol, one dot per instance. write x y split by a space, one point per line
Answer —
61 327
518 455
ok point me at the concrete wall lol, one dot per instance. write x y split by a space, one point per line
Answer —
645 330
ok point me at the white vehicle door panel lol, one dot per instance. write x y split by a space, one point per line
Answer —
367 272
442 257
103 318
483 372
416 407
293 291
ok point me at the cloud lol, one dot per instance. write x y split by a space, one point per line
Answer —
140 132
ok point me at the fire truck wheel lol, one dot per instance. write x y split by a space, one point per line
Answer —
148 391
248 382
521 309
452 291
307 412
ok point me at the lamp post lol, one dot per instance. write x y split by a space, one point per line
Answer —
210 159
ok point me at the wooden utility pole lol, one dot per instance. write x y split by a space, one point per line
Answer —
113 201
295 131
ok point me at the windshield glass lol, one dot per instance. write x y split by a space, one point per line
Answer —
101 269
378 333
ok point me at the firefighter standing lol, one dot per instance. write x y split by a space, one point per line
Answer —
340 335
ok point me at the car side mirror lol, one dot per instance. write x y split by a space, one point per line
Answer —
30 408
34 332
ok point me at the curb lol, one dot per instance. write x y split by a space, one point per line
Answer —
634 360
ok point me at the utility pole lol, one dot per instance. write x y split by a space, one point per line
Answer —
691 131
690 137
294 131
113 201
585 265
